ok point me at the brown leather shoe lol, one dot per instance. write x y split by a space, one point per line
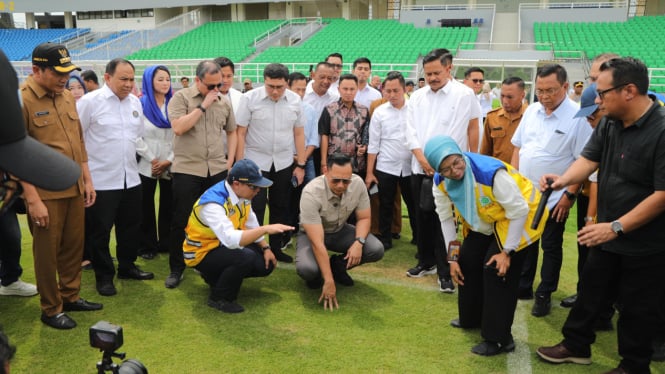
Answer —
559 354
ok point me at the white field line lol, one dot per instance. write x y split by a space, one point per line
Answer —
518 362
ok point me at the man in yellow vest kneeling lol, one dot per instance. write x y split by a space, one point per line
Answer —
224 240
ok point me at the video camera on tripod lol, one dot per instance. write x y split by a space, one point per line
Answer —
108 338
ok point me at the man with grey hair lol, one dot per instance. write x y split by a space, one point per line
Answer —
199 116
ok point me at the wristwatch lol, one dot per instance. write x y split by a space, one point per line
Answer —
267 247
617 227
511 253
201 107
361 241
571 196
589 219
302 166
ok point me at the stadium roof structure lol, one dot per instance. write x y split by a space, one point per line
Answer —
39 6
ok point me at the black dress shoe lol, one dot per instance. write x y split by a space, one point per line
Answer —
541 306
106 288
569 301
173 280
226 306
488 348
338 268
281 256
148 255
81 305
315 283
135 273
59 321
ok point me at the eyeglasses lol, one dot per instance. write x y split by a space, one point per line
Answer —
457 163
10 191
476 81
547 92
340 180
252 187
213 86
337 66
601 94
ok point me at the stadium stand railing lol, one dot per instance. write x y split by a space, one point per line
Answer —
638 37
19 43
234 40
141 39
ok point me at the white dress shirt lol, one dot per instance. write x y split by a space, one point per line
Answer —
320 102
214 216
234 97
332 90
156 143
444 112
270 127
367 95
550 144
110 128
386 139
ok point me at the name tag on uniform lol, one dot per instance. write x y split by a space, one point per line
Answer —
42 113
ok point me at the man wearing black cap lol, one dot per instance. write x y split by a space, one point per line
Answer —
224 240
56 218
21 158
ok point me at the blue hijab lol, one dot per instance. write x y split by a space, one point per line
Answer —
150 109
76 78
461 192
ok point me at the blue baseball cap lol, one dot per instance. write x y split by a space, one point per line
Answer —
248 172
588 102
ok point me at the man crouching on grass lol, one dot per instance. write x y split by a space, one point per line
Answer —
326 204
224 240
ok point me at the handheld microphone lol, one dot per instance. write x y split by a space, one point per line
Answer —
541 205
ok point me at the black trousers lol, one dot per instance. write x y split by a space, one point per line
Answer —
122 209
485 299
582 250
552 244
640 284
10 248
224 269
429 237
387 189
155 231
186 190
278 198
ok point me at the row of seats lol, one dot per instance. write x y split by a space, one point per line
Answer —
19 43
234 40
382 41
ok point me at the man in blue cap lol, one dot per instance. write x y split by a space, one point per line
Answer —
223 238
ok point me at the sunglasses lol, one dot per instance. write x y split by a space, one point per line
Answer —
252 187
340 180
336 66
10 191
478 81
213 86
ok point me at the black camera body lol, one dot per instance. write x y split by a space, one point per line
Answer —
107 337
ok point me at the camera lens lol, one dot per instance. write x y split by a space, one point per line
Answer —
132 367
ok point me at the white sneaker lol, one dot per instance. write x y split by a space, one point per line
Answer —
18 288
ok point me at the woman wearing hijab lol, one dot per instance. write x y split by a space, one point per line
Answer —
155 149
76 86
496 206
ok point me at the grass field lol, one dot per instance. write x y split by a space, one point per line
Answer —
387 323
